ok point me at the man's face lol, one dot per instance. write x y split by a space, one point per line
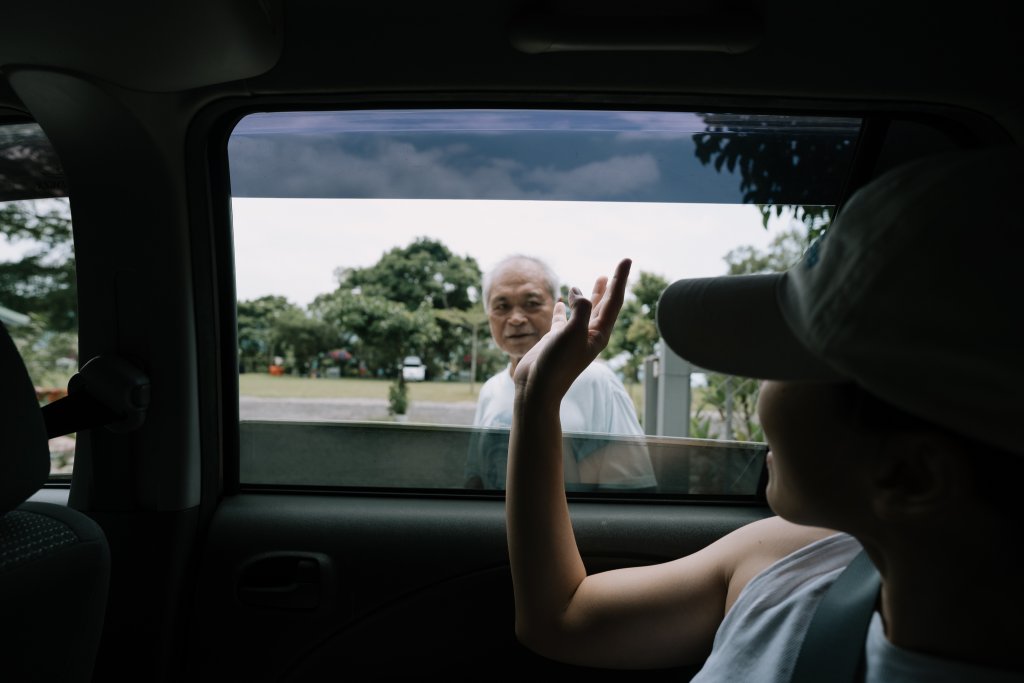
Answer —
519 308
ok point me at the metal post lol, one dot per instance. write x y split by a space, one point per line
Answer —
651 395
673 393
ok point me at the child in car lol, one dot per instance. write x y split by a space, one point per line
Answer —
891 359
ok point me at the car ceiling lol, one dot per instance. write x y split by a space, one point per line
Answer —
791 51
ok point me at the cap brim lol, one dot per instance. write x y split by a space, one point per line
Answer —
733 325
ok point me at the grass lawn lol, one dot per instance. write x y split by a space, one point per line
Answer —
267 386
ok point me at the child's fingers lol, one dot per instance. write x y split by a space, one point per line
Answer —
574 294
614 294
600 288
604 304
618 282
600 284
558 314
579 306
580 313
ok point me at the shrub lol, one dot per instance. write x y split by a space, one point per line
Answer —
398 398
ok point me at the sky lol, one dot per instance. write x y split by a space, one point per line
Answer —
291 247
317 191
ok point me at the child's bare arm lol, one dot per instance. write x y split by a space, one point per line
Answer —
655 616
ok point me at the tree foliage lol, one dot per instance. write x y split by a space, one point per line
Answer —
378 330
398 397
29 167
258 320
783 251
42 282
773 173
467 334
50 357
636 331
734 401
301 339
424 272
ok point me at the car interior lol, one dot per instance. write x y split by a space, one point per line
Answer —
170 172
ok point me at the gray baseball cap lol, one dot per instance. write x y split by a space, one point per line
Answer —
914 292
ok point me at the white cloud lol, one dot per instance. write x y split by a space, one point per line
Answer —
392 168
607 178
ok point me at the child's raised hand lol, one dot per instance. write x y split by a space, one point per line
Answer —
559 357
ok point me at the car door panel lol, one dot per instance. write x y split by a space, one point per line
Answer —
404 584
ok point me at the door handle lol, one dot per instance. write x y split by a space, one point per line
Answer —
285 580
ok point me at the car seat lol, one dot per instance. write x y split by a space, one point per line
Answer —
54 560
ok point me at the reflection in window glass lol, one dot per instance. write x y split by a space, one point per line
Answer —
364 237
38 295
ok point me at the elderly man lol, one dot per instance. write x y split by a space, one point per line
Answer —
604 446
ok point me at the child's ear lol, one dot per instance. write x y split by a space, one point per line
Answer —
919 474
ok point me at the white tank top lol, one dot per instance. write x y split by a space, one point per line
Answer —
760 637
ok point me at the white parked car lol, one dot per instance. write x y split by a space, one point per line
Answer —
413 369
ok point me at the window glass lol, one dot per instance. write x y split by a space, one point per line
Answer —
368 354
38 295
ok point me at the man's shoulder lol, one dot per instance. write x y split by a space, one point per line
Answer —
598 372
596 380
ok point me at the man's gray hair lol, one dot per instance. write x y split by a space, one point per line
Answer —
503 264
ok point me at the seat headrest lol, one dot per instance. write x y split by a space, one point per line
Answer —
24 448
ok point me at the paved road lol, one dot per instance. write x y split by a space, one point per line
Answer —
368 409
335 409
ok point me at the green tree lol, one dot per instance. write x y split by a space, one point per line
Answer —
380 332
41 284
426 271
485 358
784 250
258 337
636 332
770 169
423 274
51 358
734 400
300 338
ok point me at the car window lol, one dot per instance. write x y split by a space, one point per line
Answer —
361 244
38 293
